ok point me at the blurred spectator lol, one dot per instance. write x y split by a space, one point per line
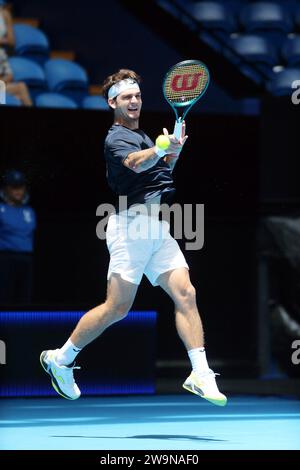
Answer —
7 41
17 89
17 225
7 37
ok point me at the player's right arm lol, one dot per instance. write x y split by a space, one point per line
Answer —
145 159
142 160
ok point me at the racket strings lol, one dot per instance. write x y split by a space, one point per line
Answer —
185 83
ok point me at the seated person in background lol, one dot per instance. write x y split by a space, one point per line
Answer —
7 37
17 225
18 89
7 42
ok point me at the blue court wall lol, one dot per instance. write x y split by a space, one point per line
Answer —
111 365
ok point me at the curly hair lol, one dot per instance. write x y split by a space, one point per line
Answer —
116 77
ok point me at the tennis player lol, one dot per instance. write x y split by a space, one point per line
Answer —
141 171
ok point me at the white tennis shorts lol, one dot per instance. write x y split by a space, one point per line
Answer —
139 245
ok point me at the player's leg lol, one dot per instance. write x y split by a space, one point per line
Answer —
169 269
59 363
120 297
178 286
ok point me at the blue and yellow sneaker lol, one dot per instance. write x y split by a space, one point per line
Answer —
205 386
62 377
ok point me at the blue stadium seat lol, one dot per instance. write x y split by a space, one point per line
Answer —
95 102
291 51
281 84
12 100
25 70
31 43
213 15
266 16
67 77
255 50
216 21
54 100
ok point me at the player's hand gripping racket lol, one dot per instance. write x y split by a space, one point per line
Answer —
184 84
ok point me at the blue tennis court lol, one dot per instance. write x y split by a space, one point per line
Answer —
169 422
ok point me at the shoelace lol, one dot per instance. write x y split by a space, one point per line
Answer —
69 372
210 372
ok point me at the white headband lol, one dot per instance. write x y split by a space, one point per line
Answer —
122 85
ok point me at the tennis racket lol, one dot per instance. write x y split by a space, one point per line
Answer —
184 84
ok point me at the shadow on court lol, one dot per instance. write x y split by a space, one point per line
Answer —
167 437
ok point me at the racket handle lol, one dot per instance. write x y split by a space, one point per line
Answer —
177 129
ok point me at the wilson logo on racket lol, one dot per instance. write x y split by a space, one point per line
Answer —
183 86
186 82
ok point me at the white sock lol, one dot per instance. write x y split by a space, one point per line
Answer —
66 355
198 360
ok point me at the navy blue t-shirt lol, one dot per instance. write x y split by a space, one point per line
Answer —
138 187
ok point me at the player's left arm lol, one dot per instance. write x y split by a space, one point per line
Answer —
171 159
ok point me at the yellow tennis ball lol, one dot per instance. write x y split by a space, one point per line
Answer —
162 142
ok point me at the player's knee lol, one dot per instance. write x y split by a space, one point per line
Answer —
121 309
187 295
